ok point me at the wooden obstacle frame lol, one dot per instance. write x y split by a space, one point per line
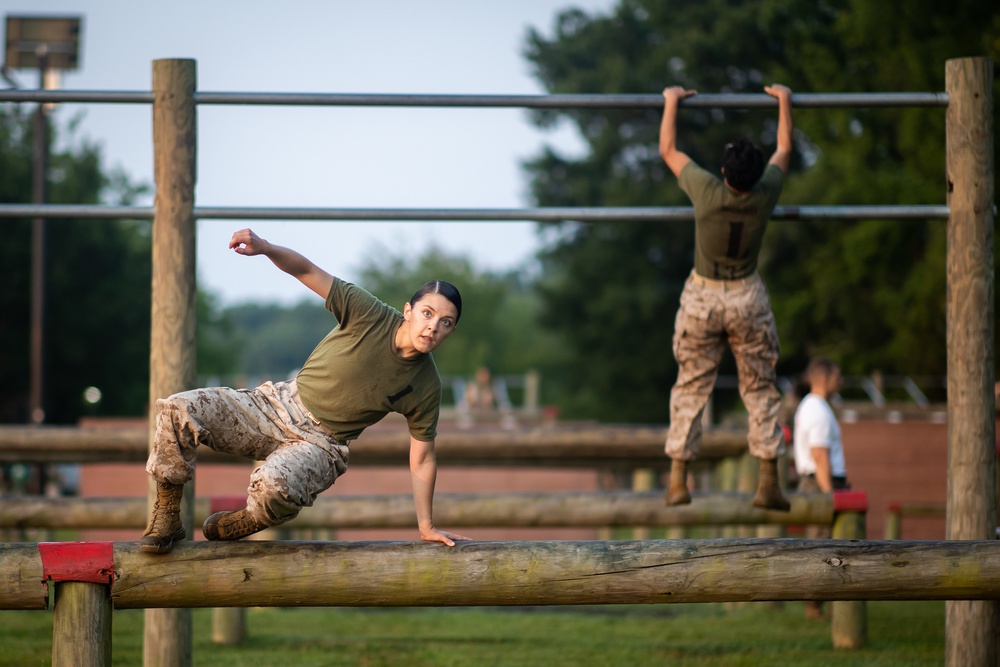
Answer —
971 628
92 579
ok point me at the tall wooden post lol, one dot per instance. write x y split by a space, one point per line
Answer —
971 628
172 339
81 625
849 625
229 625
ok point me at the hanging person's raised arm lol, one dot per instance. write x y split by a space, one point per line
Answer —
782 157
674 158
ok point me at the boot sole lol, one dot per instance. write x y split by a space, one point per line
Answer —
679 500
151 547
772 505
210 529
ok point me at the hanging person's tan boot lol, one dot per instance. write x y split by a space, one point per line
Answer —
165 526
231 525
769 494
677 493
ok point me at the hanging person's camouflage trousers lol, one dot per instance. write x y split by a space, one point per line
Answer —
711 313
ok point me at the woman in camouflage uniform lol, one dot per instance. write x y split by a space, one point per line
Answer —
376 360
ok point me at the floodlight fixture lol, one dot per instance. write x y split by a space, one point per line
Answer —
42 42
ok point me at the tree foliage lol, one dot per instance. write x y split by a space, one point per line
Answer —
498 327
96 322
873 293
97 293
273 341
870 294
499 311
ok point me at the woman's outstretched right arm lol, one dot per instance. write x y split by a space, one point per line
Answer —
246 242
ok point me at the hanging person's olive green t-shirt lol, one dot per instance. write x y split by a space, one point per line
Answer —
729 227
355 377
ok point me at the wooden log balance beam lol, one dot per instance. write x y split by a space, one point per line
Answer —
561 446
583 509
405 574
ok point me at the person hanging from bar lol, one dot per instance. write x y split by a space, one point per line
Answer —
376 360
725 299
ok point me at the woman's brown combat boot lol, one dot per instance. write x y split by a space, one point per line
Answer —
231 525
165 525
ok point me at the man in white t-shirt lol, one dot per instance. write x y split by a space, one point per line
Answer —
819 449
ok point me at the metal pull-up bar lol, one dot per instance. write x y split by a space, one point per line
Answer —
632 101
547 214
581 214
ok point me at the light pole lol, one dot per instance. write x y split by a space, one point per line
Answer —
45 43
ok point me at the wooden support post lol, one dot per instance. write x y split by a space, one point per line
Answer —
849 625
81 625
747 472
172 337
972 628
894 521
723 479
229 625
532 380
643 479
771 531
746 483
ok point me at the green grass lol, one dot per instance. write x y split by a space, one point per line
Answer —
901 634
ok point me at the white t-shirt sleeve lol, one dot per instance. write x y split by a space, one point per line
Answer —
816 426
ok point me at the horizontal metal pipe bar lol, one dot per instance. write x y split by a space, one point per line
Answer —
87 211
81 96
546 214
633 101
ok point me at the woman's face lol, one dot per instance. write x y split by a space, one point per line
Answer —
429 321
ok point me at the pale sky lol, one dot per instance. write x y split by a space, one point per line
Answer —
326 156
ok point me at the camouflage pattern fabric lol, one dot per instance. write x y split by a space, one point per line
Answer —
300 457
712 313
